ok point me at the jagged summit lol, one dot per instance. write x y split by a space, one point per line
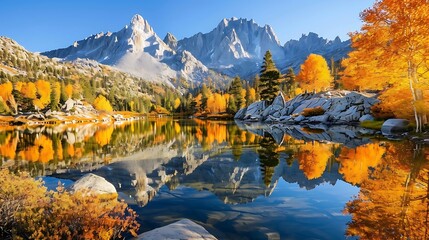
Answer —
236 46
171 41
138 22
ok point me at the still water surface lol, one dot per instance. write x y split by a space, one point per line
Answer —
241 181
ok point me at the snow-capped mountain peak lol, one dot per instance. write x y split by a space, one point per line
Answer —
139 23
234 47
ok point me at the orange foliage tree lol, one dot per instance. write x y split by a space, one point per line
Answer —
6 95
392 52
69 90
314 74
44 90
216 103
29 211
28 90
102 104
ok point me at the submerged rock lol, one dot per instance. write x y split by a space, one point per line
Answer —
95 184
394 126
183 229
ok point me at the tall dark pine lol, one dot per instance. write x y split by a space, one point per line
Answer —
269 79
290 83
235 91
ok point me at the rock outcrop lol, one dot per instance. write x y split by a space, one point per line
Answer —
340 107
183 229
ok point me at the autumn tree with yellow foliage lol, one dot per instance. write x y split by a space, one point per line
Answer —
314 74
29 211
391 53
102 104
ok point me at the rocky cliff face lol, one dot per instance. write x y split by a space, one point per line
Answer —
340 107
235 46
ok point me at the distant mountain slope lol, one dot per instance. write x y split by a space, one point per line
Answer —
296 51
89 77
235 47
136 49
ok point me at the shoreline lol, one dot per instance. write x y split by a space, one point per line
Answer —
39 119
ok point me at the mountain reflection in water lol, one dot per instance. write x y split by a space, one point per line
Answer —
242 181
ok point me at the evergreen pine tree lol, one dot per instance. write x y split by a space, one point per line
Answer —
256 84
235 91
205 94
269 79
290 83
232 105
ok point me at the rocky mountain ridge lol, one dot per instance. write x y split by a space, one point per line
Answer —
235 47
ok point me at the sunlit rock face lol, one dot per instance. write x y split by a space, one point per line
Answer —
235 46
340 107
137 49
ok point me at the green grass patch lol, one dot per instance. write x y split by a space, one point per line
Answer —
376 125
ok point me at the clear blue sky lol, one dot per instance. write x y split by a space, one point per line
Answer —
41 25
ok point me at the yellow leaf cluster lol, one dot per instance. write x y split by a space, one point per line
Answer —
355 163
314 74
102 104
103 136
313 158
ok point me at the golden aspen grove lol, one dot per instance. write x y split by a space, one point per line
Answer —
391 54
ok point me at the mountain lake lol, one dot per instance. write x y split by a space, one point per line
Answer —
237 180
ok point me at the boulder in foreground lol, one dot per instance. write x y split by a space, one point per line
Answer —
183 229
94 184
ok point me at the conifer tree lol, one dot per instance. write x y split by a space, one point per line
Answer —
235 91
256 84
269 79
290 83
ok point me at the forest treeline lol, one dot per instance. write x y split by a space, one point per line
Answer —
390 55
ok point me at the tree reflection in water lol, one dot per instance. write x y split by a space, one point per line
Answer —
219 157
268 158
393 199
